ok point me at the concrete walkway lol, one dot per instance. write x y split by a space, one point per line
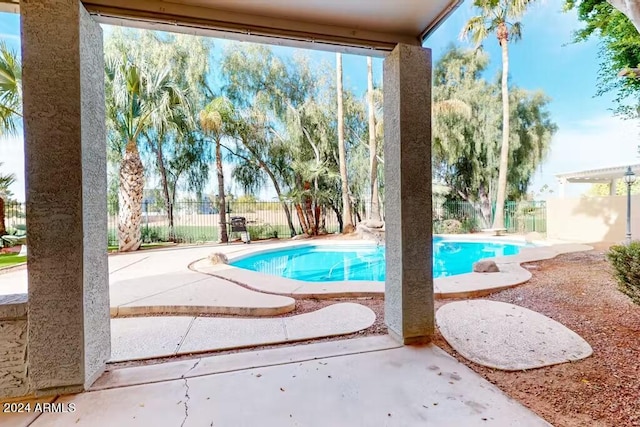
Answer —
508 337
160 282
363 382
152 337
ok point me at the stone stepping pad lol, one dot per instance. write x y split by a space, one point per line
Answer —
508 337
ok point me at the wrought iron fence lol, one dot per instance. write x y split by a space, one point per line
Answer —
196 221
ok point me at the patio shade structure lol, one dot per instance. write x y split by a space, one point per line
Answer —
63 332
609 175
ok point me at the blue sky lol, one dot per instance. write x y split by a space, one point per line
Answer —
589 135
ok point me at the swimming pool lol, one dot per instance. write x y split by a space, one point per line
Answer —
327 263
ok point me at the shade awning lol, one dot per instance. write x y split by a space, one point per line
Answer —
342 25
603 175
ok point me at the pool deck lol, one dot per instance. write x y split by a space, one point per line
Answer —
468 285
362 382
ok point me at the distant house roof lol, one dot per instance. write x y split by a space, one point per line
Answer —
604 175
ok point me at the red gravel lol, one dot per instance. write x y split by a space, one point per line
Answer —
578 291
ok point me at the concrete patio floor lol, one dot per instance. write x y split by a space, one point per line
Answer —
153 337
362 382
160 281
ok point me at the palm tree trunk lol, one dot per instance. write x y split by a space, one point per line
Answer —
374 207
342 155
498 219
302 219
130 195
222 206
3 227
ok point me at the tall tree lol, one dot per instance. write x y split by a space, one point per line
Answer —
10 113
141 95
374 206
218 121
346 199
498 16
619 51
5 182
10 90
465 143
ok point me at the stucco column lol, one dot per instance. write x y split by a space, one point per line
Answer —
562 183
409 310
613 187
65 148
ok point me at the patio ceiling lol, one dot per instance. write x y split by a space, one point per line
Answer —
341 25
604 175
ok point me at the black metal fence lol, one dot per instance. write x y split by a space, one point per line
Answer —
199 221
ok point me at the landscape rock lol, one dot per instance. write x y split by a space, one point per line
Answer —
300 236
372 223
218 258
485 266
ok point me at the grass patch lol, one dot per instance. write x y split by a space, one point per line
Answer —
8 260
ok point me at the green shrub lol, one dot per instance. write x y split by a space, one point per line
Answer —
150 235
625 260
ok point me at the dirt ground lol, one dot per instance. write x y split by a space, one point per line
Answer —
578 291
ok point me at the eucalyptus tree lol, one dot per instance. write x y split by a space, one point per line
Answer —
10 90
268 91
499 16
466 147
146 92
619 50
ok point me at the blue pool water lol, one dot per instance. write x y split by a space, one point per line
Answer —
325 263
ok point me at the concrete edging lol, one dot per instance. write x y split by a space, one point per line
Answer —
468 285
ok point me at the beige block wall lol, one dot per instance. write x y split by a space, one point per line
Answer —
14 380
592 219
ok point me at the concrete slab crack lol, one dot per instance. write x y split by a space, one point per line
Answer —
186 401
186 392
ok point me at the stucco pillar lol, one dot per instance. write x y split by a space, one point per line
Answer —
409 310
562 183
613 187
66 186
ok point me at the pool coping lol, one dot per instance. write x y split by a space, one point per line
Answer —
468 285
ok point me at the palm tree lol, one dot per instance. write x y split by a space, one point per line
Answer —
5 182
218 121
10 90
346 200
498 16
139 96
374 206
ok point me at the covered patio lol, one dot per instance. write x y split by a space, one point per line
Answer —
60 338
608 175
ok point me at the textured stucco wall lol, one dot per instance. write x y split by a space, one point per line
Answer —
94 200
409 310
13 346
592 219
65 148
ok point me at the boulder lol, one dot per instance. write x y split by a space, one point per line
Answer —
485 266
218 258
372 223
300 236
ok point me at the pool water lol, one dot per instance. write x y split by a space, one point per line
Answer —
325 263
